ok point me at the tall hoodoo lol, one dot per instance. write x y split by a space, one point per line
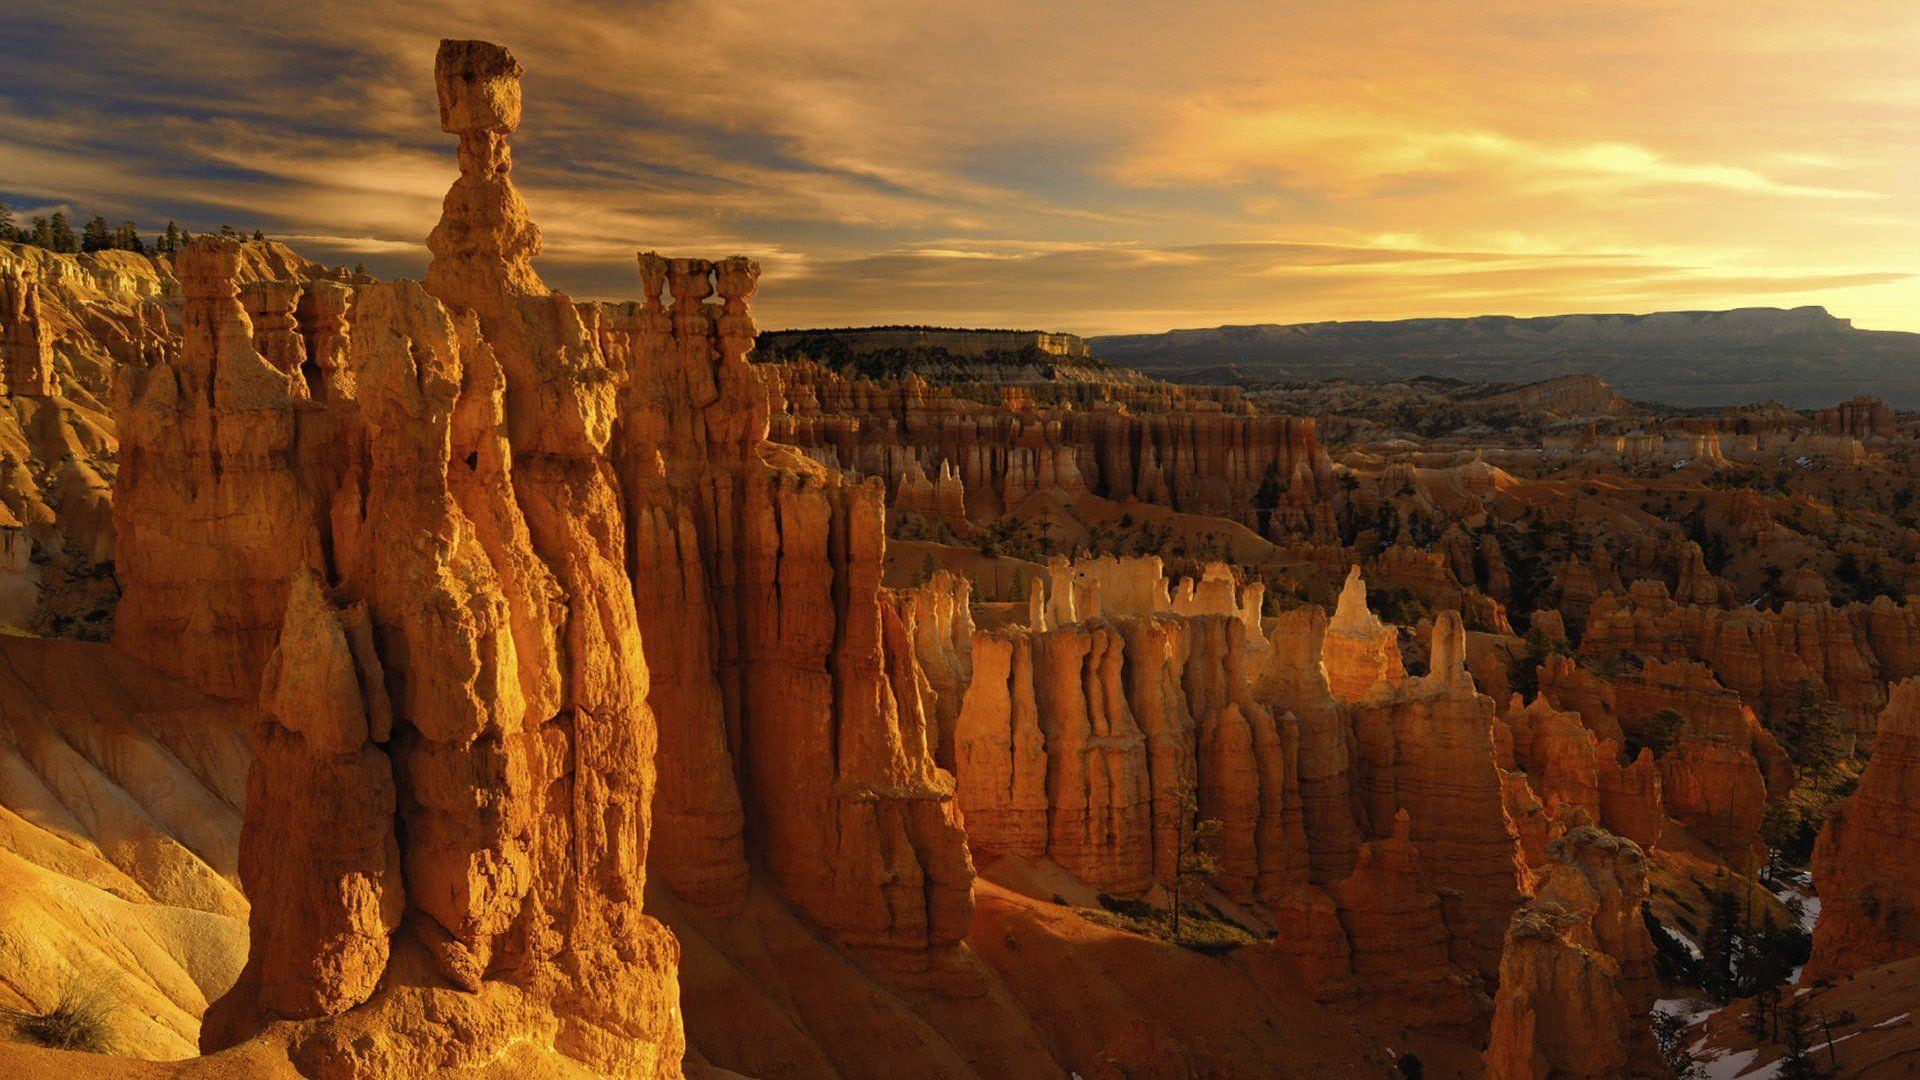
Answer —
26 353
417 501
1576 976
1359 650
1425 746
484 245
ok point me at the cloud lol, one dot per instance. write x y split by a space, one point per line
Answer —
1353 152
1072 164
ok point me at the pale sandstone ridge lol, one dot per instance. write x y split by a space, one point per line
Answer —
1867 852
120 797
1360 650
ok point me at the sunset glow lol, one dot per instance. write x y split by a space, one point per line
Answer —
1085 167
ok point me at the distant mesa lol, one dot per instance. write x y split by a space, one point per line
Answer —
937 353
959 342
1804 357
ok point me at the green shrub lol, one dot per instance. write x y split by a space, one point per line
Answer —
82 1019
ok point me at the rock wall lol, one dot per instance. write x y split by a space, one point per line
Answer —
1082 743
1158 444
552 580
1847 653
1865 857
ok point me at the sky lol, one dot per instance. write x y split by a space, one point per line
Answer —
1089 167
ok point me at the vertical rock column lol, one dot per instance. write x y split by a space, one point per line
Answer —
210 521
26 353
613 977
1426 748
678 484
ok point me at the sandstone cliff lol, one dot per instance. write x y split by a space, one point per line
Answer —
1864 860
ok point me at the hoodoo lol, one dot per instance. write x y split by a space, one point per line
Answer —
460 678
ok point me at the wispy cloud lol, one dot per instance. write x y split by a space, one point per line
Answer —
1074 164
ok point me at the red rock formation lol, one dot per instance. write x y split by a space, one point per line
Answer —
270 309
1567 685
1765 656
1632 803
1187 449
1863 863
942 622
1862 417
1081 743
210 524
1295 683
521 742
1000 754
1568 395
1398 932
1562 759
1696 584
322 318
1359 650
26 350
1426 747
1576 976
321 786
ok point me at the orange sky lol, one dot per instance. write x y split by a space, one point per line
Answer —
1091 167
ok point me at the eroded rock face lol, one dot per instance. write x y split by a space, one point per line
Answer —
320 786
210 523
1765 656
1397 928
516 746
1360 650
26 351
1576 974
1573 770
1080 743
1864 860
514 509
1198 450
1426 747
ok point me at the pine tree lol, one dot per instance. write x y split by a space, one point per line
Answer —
1798 1062
95 235
258 235
229 232
1721 945
360 269
127 238
7 231
42 234
1194 861
170 243
60 234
